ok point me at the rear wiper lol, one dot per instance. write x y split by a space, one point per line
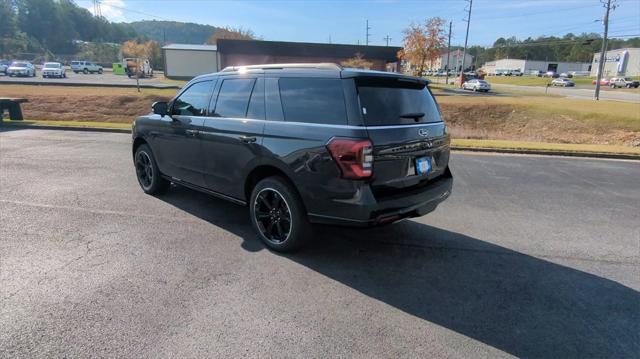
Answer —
414 115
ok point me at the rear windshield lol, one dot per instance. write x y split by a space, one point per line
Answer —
52 66
19 64
75 62
396 102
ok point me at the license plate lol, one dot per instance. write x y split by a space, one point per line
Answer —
423 165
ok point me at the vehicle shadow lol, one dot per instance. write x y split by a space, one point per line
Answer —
525 306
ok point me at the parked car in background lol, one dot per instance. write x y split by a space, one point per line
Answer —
476 85
551 74
627 82
536 73
372 151
603 82
563 81
4 65
21 69
53 69
580 73
567 75
515 73
86 67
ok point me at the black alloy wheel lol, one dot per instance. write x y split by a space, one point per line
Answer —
144 169
272 215
278 215
147 171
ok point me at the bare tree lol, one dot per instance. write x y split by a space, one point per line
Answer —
357 62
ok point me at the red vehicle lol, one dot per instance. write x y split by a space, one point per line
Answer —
603 82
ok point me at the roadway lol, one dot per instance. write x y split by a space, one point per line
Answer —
530 257
107 78
624 95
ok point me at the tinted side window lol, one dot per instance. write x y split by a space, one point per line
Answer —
193 101
233 98
313 100
256 104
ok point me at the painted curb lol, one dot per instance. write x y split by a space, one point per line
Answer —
66 128
621 156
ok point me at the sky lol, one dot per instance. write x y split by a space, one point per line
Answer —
344 21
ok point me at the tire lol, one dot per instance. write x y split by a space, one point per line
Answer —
612 86
85 71
475 89
75 72
147 172
100 71
278 215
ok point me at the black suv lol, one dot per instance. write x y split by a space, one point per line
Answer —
300 144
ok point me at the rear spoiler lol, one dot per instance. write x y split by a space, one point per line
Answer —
347 73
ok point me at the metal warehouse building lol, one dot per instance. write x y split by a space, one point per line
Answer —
188 61
526 66
183 61
620 62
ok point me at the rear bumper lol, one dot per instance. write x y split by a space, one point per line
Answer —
365 211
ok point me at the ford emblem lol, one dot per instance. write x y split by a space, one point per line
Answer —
423 132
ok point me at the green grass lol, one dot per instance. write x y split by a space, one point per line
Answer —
542 146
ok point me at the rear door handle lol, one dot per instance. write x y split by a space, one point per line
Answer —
247 139
191 132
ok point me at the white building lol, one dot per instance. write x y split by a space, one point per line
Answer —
455 61
183 61
527 66
620 62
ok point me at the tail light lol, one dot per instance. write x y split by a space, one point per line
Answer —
353 156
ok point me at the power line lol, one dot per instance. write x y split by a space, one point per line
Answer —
527 14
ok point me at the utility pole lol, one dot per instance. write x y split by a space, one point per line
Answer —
448 55
387 38
608 6
97 11
466 37
366 41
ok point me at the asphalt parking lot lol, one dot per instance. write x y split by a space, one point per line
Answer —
530 257
106 78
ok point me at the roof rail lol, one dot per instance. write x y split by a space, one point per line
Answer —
320 66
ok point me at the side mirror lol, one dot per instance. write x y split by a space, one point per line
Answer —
160 108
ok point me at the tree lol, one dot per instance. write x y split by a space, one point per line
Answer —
357 62
147 49
232 34
423 44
